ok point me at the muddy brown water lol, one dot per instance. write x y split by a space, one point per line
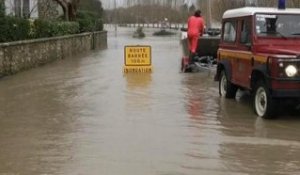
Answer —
84 116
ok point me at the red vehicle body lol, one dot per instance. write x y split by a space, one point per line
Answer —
260 51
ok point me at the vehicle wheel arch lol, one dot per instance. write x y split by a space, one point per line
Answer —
223 65
259 73
226 88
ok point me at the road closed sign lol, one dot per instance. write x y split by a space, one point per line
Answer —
137 58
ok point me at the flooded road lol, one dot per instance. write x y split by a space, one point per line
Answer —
84 116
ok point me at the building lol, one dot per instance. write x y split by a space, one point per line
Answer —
44 9
22 8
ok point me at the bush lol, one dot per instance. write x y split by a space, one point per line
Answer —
43 28
65 28
89 22
2 8
86 15
99 25
85 25
12 29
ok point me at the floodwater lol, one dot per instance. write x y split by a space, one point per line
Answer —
83 116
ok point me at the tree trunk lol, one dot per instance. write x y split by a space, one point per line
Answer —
69 8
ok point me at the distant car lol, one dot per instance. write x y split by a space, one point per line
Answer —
259 51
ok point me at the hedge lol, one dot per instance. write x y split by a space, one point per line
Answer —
43 28
12 29
89 21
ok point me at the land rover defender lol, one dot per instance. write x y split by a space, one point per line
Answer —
259 51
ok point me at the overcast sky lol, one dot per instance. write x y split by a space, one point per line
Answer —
108 4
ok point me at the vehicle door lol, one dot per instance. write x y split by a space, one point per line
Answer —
244 56
229 45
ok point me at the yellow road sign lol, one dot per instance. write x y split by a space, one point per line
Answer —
137 58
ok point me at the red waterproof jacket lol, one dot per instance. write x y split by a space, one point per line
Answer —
195 29
195 26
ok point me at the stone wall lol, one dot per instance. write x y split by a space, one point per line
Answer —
100 41
23 55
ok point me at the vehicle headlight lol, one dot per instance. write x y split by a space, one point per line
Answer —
291 71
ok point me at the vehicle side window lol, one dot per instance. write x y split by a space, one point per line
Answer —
245 32
229 31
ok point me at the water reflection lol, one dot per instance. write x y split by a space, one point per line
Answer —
138 92
138 80
36 121
200 95
226 137
205 133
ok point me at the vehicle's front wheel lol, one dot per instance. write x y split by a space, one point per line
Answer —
226 88
263 103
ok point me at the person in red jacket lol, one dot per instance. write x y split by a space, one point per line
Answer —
195 29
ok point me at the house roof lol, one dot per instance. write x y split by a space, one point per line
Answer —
249 11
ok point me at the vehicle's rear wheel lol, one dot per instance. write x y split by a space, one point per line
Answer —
226 88
264 104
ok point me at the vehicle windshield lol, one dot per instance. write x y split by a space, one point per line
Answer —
278 25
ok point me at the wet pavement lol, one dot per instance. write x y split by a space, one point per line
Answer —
84 116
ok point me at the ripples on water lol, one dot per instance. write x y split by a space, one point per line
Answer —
84 116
